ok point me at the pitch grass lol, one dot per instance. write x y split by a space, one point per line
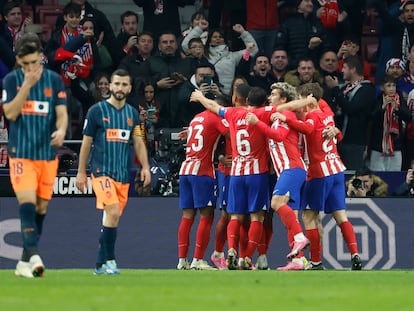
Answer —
209 290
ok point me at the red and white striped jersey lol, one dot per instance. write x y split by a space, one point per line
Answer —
203 134
284 145
323 154
249 145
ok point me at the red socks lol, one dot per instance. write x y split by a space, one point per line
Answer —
203 236
349 236
288 218
221 234
233 234
315 248
255 235
184 236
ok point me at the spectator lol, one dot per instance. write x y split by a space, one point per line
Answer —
73 52
279 62
304 73
225 61
328 67
196 54
101 87
13 16
234 84
127 38
201 80
133 63
167 71
149 113
389 117
400 28
407 187
302 35
408 153
365 184
108 49
408 84
198 31
196 20
262 22
350 47
260 76
395 68
354 103
161 15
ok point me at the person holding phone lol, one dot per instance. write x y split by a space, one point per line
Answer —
201 80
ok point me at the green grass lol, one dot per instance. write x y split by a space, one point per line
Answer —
209 290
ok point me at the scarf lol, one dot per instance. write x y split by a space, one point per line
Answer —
390 126
71 69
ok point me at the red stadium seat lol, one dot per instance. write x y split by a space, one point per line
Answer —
49 13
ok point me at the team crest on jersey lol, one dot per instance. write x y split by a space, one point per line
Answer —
129 122
35 107
48 92
62 95
117 135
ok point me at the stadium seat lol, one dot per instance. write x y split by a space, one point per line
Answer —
49 13
370 25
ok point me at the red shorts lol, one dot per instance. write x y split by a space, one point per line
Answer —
37 175
109 192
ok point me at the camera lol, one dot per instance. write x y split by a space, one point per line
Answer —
357 183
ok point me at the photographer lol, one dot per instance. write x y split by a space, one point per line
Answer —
366 184
406 188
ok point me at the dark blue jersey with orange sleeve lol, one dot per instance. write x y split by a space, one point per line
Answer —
30 133
112 131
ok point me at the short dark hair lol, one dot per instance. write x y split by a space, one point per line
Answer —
257 97
121 73
127 14
72 8
363 172
242 90
198 40
196 14
261 54
146 33
313 88
10 5
355 61
29 43
388 79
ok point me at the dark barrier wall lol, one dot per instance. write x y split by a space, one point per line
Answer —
148 234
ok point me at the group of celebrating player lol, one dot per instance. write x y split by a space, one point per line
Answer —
288 130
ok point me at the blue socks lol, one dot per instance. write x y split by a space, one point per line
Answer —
28 230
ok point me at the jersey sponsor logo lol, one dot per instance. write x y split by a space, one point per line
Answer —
48 92
62 95
34 107
117 135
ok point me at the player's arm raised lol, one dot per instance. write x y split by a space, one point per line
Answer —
197 96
